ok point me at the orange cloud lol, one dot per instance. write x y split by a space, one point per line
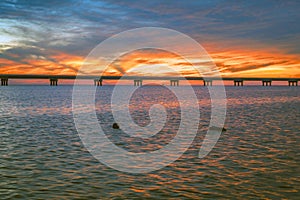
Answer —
58 63
235 61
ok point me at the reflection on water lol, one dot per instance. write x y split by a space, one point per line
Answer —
42 156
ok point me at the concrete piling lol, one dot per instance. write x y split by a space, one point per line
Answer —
53 81
4 81
174 82
207 82
238 82
138 82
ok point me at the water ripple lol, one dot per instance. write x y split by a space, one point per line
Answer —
42 156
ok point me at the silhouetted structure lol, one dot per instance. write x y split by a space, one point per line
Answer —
98 82
266 82
4 81
207 82
174 82
138 82
238 82
53 81
293 83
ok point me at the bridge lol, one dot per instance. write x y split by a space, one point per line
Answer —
138 80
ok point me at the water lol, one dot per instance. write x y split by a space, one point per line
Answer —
42 157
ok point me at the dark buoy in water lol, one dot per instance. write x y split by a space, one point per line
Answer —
115 126
217 128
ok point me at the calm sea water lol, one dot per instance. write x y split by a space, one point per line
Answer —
258 157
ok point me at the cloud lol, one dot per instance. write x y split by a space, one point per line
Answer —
32 58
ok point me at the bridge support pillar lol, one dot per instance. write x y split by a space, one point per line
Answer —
238 82
207 82
266 82
174 82
4 81
98 82
53 81
293 83
138 82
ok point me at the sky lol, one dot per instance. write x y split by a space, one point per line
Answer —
257 38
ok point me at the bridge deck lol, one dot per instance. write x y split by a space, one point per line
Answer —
93 77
